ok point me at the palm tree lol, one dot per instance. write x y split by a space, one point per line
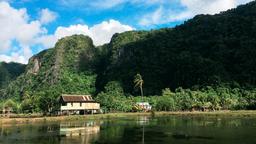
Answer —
138 81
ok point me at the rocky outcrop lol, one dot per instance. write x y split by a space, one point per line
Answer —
35 66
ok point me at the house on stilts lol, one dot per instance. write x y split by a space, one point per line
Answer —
78 104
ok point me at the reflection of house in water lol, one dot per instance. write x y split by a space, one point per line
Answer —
82 133
143 120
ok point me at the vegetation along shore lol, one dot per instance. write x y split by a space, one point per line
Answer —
41 119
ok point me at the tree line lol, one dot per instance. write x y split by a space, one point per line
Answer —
114 99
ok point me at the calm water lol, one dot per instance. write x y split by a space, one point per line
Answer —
158 130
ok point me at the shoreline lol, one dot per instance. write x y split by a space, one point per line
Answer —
5 120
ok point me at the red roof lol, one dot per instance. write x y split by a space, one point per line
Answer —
77 98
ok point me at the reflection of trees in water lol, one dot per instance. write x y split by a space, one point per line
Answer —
29 133
167 129
134 130
189 121
48 133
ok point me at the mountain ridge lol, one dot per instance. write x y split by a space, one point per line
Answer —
206 50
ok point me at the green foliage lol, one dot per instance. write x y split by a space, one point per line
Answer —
10 103
113 98
28 106
9 72
48 101
166 101
209 98
28 103
205 99
206 50
78 83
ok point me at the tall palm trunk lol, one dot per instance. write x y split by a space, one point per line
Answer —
141 92
138 81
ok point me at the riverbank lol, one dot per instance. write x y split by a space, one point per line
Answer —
5 120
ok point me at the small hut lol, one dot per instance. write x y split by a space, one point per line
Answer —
6 111
78 104
142 106
8 108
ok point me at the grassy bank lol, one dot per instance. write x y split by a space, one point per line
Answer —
5 120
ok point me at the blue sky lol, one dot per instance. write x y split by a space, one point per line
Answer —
29 26
72 12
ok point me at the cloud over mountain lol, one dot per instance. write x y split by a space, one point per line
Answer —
20 35
189 8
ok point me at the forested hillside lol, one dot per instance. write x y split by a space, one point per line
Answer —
211 56
206 50
9 72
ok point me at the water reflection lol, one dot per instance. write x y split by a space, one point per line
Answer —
141 129
143 120
52 133
82 133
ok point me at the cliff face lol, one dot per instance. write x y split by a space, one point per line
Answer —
58 67
36 66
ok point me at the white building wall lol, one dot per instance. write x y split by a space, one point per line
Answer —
77 106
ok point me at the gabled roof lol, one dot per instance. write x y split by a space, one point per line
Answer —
76 98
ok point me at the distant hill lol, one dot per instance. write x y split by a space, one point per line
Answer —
9 72
206 50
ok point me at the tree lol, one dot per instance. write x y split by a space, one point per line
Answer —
113 99
138 83
28 103
166 101
48 100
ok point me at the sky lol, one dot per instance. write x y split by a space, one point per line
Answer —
30 26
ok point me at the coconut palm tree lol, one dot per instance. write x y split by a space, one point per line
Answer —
138 83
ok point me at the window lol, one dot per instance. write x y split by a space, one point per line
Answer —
72 104
80 104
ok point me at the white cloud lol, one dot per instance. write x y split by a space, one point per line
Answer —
15 26
71 30
208 6
47 16
152 18
19 34
14 57
100 33
162 16
47 41
17 30
165 14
